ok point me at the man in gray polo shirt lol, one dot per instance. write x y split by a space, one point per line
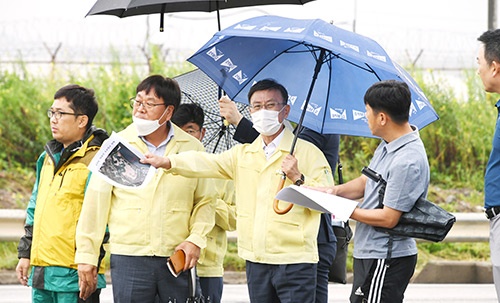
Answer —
402 161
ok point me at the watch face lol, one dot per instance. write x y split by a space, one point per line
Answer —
300 181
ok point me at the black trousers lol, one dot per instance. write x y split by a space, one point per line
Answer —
380 280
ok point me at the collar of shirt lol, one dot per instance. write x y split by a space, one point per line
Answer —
403 140
271 147
160 149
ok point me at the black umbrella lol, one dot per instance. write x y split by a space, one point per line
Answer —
197 87
126 8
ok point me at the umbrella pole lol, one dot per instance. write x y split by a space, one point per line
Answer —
162 15
317 68
218 14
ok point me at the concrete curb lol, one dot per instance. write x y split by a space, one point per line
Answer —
468 272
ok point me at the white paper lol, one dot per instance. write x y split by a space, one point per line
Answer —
117 162
341 208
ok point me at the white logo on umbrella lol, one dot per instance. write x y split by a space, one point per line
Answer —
338 113
349 45
356 114
215 54
295 30
312 108
270 28
245 27
420 104
413 109
323 36
240 77
229 65
376 56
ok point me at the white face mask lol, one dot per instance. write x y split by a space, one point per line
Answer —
145 127
266 121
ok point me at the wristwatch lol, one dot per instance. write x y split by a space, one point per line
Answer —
300 181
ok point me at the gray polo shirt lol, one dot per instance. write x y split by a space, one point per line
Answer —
403 164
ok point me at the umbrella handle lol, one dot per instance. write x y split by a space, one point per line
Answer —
276 201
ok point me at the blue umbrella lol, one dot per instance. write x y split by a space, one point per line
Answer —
325 69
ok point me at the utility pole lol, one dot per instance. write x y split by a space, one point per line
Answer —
492 14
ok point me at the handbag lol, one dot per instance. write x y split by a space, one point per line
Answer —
425 220
338 269
343 233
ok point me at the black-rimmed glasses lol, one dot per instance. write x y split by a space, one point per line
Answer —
148 105
268 106
58 114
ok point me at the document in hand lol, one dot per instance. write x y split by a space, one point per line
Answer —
118 163
341 208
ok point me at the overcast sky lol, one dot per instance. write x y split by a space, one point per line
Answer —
444 31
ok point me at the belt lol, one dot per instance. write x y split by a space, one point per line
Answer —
492 212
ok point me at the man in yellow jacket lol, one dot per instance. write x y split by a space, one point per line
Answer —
55 204
148 224
280 250
190 118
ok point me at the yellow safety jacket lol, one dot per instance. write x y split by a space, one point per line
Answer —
54 210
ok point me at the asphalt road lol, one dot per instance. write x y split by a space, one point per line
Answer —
237 293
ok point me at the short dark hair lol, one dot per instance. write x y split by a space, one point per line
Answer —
164 87
81 100
392 97
267 84
491 41
188 112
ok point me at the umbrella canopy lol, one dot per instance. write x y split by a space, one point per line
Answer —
126 8
325 69
197 87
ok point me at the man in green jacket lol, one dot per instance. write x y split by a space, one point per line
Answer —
48 246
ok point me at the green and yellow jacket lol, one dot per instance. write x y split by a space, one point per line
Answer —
54 210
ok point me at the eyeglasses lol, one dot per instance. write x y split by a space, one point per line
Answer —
148 105
59 114
268 106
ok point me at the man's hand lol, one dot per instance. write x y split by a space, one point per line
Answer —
87 280
290 167
22 270
192 254
156 161
229 111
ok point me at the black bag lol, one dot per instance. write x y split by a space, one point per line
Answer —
425 220
343 233
338 270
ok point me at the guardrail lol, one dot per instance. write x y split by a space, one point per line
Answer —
12 224
470 227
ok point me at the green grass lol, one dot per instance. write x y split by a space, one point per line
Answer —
8 255
231 260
